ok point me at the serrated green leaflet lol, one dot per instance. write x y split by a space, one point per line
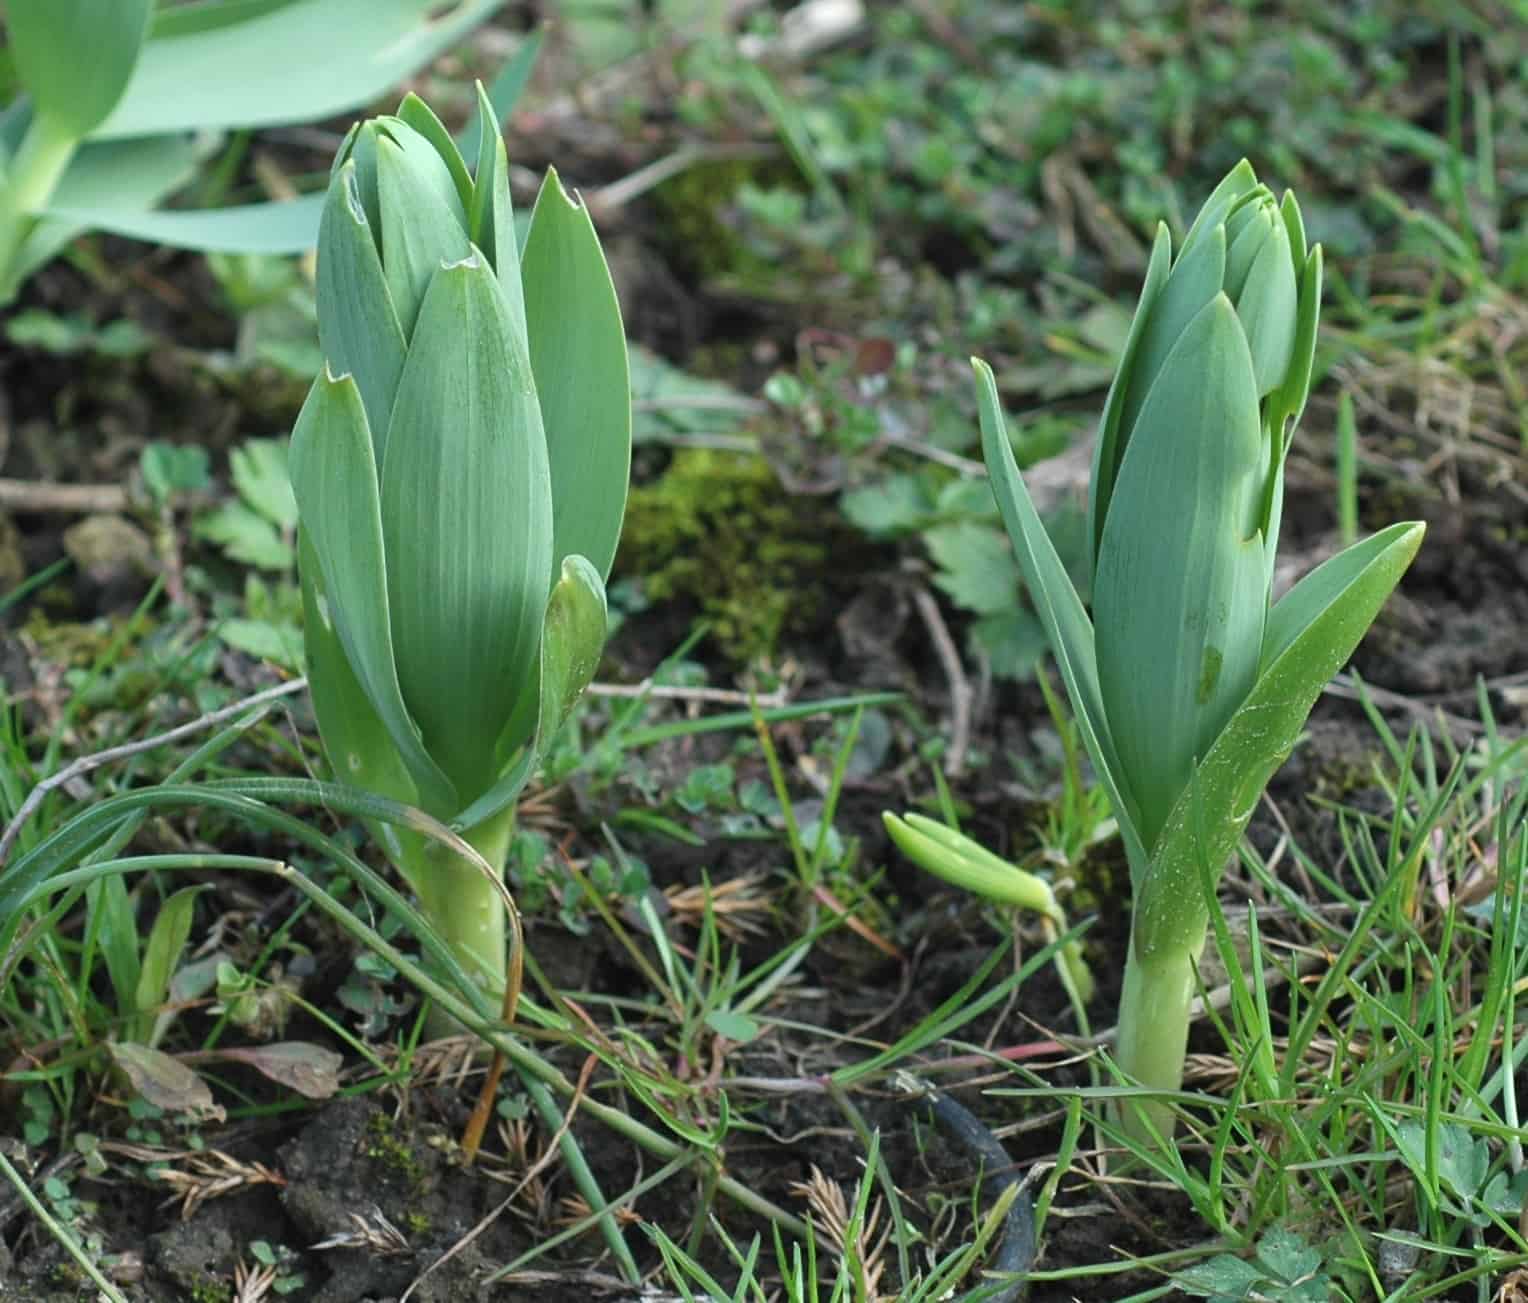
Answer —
334 477
466 518
578 350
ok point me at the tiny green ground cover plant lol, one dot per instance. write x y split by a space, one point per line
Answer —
460 473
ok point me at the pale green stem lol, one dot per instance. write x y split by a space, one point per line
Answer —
465 907
29 183
1153 1032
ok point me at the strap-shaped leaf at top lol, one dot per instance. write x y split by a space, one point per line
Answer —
491 219
1066 623
1178 598
423 222
334 478
1316 628
421 117
578 350
1284 407
358 327
467 523
1110 447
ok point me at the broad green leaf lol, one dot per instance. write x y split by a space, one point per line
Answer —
1208 820
357 742
284 226
164 1082
572 639
1056 602
1221 1279
125 178
1289 210
1110 447
505 790
1293 613
491 217
1194 280
734 1026
280 63
421 117
1268 305
1286 406
1240 182
1247 233
1178 597
467 521
161 955
334 476
358 329
208 15
75 56
423 222
578 351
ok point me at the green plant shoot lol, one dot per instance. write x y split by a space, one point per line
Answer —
1189 687
122 98
460 472
957 859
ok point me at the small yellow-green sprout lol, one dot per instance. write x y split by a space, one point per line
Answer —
964 863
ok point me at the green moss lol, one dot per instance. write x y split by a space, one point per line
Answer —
211 1291
717 529
385 1146
1100 882
692 208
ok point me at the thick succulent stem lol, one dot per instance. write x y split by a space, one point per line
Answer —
1153 1032
460 901
34 174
